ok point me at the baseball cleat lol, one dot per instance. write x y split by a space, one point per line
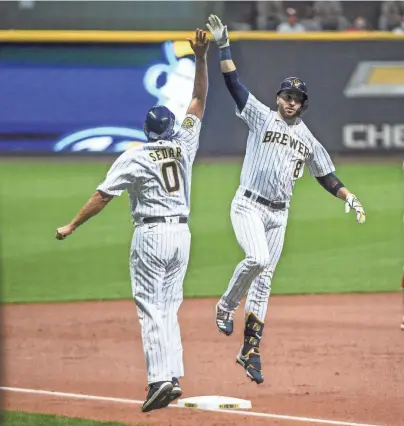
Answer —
175 393
157 395
251 362
224 320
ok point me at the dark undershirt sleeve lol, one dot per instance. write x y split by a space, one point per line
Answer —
237 90
330 183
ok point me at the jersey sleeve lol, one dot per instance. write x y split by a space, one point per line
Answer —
254 113
120 176
319 161
188 134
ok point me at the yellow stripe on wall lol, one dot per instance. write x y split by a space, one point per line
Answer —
91 36
59 36
387 75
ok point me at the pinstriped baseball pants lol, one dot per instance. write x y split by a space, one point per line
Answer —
260 231
158 263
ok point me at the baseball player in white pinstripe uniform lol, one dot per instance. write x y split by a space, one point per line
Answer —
157 176
279 145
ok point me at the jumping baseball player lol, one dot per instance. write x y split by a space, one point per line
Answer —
157 176
279 145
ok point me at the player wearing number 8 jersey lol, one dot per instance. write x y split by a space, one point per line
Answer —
279 145
157 176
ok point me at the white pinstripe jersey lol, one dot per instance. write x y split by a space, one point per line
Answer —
157 175
277 152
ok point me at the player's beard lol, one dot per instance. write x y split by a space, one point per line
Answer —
287 115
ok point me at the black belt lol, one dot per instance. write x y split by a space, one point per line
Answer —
279 205
182 219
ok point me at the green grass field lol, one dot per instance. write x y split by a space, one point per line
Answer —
15 418
325 249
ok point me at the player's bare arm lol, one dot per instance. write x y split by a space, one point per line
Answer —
237 90
93 206
200 47
333 185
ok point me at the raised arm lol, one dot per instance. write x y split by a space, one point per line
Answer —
237 90
200 47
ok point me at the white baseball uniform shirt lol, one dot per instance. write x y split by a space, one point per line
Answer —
277 152
157 175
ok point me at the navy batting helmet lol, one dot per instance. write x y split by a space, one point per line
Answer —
159 123
298 85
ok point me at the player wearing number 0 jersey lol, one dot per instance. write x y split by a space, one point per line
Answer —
279 145
157 176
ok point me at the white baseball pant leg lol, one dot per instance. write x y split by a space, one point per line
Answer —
154 253
173 296
248 225
260 289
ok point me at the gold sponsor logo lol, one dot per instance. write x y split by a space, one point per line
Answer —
376 79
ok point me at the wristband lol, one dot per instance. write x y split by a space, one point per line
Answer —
225 53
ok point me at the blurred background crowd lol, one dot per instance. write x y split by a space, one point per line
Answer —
301 16
282 16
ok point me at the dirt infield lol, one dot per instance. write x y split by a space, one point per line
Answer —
326 357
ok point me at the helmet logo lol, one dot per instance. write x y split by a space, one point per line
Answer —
296 83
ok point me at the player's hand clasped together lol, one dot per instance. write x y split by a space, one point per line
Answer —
279 145
157 176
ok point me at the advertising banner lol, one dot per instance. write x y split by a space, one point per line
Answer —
88 98
94 97
356 88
